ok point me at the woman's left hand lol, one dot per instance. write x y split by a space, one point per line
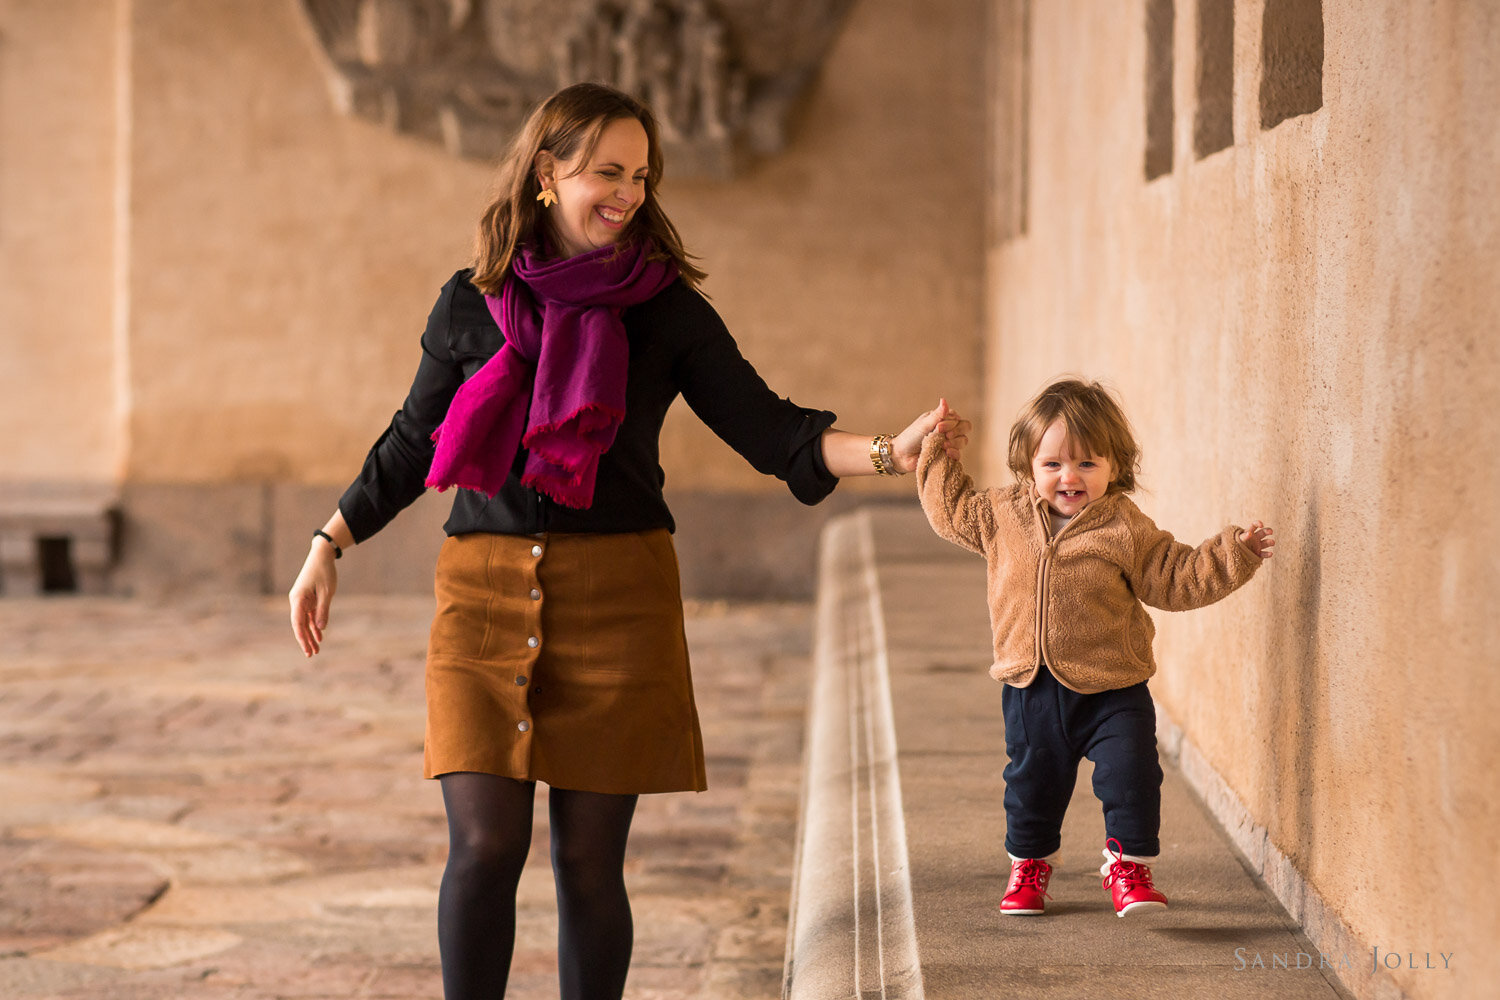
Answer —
907 446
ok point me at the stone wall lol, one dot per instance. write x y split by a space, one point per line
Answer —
1302 327
276 262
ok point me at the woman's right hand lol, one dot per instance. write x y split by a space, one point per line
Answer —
311 595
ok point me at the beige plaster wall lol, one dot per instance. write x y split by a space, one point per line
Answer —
284 258
58 72
1302 328
850 267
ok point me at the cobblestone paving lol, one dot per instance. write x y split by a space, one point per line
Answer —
189 808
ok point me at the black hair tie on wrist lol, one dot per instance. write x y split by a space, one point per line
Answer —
338 553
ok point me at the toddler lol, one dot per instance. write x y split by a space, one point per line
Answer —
1070 561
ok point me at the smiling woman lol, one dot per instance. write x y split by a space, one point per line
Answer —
597 199
557 653
591 156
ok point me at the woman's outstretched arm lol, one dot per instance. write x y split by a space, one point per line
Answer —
847 454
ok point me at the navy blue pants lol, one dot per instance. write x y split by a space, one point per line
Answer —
1048 730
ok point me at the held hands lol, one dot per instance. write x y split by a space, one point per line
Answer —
954 428
907 445
1259 539
310 597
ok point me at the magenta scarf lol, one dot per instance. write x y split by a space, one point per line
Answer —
558 383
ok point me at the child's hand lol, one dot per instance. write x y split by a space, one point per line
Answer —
1259 539
907 446
954 428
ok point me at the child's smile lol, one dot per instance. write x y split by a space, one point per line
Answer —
1066 481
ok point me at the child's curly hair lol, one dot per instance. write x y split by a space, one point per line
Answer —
1094 421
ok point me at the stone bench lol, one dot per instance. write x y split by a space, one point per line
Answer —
57 537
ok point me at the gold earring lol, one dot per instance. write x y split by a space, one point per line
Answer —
548 197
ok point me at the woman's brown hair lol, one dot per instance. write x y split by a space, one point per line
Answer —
567 123
1095 425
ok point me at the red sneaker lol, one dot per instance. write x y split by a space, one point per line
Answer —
1028 886
1129 883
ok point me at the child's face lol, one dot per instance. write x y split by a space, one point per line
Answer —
1068 482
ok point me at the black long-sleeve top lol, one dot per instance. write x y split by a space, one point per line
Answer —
678 344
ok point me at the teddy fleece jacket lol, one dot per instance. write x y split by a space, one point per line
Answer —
1074 600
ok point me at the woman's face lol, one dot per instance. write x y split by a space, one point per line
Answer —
596 203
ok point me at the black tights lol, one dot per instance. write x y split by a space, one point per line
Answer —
489 834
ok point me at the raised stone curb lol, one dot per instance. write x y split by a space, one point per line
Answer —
850 926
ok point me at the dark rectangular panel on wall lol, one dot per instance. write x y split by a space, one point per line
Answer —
1160 16
1213 120
1291 67
1010 117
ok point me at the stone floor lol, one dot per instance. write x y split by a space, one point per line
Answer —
189 808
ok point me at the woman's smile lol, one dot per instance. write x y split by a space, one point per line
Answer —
615 172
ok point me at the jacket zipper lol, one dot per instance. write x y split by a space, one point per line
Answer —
1049 544
1041 601
1041 585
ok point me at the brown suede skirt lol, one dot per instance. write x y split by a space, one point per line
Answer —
561 658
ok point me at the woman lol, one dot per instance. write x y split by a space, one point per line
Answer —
557 651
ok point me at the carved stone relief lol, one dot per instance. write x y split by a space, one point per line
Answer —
722 77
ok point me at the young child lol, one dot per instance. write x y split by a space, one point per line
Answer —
1070 560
